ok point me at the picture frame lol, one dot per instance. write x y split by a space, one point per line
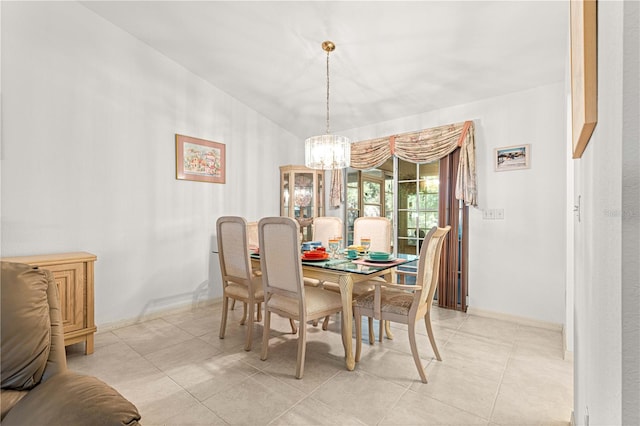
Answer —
584 67
200 160
515 157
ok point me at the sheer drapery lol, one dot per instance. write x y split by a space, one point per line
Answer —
423 147
336 195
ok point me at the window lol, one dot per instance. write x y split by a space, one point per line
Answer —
417 200
418 197
372 200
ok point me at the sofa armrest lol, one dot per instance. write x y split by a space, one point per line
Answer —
57 361
72 399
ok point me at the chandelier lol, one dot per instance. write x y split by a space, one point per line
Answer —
327 152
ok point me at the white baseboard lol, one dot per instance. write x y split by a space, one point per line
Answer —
157 314
516 319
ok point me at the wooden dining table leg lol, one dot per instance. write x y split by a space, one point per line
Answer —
346 289
387 324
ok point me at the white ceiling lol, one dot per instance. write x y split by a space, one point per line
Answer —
393 59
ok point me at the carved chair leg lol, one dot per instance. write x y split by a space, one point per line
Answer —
249 338
358 320
432 340
414 351
265 336
325 323
223 321
244 314
302 349
387 329
372 336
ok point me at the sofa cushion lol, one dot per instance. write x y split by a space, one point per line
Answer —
26 326
72 399
9 398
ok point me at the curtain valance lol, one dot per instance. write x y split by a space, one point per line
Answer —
425 146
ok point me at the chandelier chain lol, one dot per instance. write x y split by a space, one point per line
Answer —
327 92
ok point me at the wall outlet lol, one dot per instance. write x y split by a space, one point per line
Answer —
499 214
489 214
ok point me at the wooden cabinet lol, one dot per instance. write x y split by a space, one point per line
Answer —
301 195
73 273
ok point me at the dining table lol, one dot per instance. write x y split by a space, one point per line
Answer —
347 273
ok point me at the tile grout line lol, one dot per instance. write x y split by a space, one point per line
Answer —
305 397
504 370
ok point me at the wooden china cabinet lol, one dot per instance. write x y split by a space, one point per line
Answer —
302 196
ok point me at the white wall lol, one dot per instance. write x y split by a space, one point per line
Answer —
516 265
88 164
607 293
88 157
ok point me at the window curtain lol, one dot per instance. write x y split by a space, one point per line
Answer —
425 146
452 281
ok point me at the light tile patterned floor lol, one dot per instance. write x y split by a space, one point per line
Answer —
178 372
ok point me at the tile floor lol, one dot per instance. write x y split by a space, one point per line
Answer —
178 372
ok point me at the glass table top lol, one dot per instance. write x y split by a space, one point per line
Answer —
358 266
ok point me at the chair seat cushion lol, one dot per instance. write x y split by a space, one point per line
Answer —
73 399
317 300
238 291
26 325
392 301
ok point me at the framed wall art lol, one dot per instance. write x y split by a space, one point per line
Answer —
584 67
199 160
512 157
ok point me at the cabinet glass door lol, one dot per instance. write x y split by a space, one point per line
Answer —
286 177
302 196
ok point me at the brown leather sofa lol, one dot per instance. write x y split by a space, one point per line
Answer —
37 387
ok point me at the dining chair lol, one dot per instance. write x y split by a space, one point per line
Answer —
378 229
406 304
252 244
239 281
324 228
252 241
284 291
252 235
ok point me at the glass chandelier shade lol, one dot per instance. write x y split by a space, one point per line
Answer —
327 152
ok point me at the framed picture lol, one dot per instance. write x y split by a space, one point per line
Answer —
584 79
512 157
199 160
